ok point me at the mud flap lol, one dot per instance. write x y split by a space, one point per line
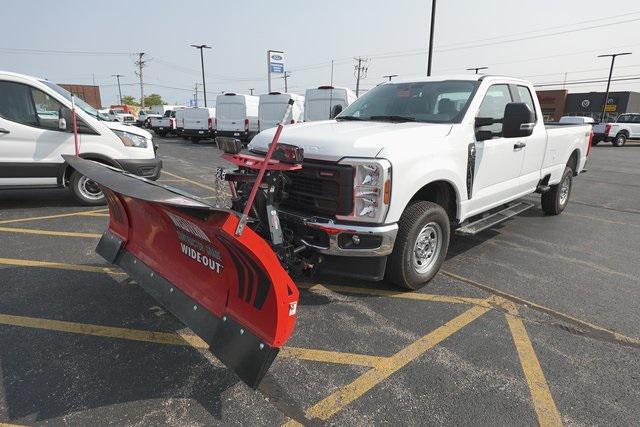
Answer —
230 290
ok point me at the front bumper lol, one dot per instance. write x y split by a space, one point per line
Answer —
328 238
146 168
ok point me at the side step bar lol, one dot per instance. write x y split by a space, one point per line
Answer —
511 210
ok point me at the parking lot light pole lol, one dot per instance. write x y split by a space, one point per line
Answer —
606 95
390 76
476 69
204 84
433 21
117 76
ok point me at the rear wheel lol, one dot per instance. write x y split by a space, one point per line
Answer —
85 190
421 245
619 140
555 200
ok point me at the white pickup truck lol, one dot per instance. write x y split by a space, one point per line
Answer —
626 126
385 183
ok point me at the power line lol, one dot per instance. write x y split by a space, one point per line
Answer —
623 79
360 71
62 52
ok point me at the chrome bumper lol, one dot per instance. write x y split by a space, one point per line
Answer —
387 232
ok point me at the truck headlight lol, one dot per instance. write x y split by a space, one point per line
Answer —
131 139
371 189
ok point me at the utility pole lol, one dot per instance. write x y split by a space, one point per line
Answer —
141 64
204 84
251 89
477 69
285 77
390 76
606 95
433 21
360 72
195 96
332 72
117 76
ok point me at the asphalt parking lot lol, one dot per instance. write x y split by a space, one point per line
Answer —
533 322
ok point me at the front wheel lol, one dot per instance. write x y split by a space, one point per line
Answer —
86 191
421 245
619 140
555 200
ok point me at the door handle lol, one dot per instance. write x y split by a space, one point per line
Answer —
519 145
3 130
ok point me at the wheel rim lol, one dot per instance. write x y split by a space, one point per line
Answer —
427 248
89 189
620 140
565 188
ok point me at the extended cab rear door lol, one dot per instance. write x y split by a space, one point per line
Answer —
536 143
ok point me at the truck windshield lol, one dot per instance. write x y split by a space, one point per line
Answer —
427 102
79 102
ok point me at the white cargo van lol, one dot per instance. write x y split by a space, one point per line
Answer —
198 123
237 116
36 130
179 122
273 106
326 102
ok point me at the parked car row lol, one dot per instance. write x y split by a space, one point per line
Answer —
244 116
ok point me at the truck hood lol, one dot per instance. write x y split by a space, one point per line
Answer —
333 140
124 128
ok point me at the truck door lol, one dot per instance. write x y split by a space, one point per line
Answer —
31 142
497 162
536 144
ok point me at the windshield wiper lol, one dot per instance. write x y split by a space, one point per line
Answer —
393 118
349 118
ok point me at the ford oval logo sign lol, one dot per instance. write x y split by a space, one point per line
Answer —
276 57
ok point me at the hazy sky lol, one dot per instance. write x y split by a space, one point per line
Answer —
501 34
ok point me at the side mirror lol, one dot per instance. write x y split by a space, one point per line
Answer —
518 120
484 121
62 124
483 135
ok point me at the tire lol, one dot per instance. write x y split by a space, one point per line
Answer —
619 140
420 220
595 143
85 191
556 199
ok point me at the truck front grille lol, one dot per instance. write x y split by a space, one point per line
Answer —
321 189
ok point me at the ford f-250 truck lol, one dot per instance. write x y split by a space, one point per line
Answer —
384 184
626 126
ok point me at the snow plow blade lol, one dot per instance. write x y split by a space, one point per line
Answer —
230 290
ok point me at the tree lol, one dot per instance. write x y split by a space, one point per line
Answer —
129 100
153 99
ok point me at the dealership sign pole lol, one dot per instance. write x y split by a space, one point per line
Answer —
275 64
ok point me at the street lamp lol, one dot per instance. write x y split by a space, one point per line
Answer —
390 76
476 69
431 28
606 95
204 84
117 76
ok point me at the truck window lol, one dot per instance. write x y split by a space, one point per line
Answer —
525 96
16 104
48 110
496 98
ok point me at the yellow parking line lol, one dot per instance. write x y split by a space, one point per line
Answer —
597 330
190 181
398 294
180 338
38 218
94 214
49 232
170 180
543 403
58 266
335 402
11 425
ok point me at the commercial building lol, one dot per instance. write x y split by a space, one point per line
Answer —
552 103
591 103
88 93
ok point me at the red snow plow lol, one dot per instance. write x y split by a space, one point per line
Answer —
223 273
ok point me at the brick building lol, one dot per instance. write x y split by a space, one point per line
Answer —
88 93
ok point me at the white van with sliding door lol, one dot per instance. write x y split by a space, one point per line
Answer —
36 130
326 102
273 106
198 123
237 116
